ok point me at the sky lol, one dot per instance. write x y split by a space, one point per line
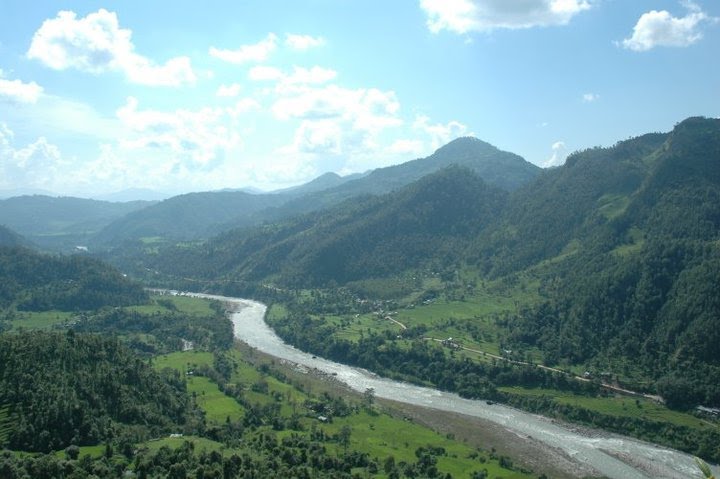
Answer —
100 97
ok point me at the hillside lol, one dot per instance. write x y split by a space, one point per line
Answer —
38 282
66 388
61 223
10 238
639 286
185 217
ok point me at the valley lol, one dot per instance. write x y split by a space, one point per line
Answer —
573 308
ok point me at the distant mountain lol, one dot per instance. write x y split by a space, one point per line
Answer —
496 167
185 217
366 237
134 194
4 194
322 182
202 215
61 222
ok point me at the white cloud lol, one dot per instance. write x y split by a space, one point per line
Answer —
36 165
365 109
231 90
97 44
265 73
16 90
257 52
440 134
661 29
311 75
303 42
559 154
590 97
196 139
463 16
299 76
405 147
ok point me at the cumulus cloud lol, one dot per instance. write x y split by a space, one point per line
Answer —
661 29
265 73
559 154
405 147
19 91
195 138
303 42
257 52
590 97
97 44
464 16
231 90
299 75
35 165
438 133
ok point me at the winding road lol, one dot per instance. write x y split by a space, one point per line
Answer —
601 452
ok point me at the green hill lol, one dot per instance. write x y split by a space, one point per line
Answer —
38 282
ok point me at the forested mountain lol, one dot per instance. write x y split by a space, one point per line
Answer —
429 221
496 167
185 217
10 238
640 284
38 282
202 215
61 222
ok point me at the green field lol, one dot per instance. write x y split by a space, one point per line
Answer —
184 304
375 433
40 320
217 406
183 361
381 435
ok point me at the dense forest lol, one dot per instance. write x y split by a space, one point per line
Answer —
33 281
67 388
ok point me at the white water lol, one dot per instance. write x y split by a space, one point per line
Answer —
610 455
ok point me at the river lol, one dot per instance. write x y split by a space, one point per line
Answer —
610 455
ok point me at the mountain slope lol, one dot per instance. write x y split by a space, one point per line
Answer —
430 220
10 238
496 167
640 286
62 222
38 282
186 217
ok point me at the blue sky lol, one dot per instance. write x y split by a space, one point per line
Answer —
97 97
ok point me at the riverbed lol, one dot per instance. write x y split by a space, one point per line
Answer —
606 454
